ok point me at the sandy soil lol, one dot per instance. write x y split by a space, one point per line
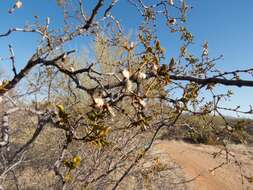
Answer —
196 161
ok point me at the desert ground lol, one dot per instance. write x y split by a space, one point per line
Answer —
192 166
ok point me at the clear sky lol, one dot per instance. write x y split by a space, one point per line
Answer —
226 24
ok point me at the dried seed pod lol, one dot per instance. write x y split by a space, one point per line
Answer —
172 21
172 64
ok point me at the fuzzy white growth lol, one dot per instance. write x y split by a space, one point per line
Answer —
132 45
229 128
142 102
48 20
205 49
126 74
18 4
205 52
99 102
142 75
171 2
72 69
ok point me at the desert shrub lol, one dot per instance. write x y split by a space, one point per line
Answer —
73 118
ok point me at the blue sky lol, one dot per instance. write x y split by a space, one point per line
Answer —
226 24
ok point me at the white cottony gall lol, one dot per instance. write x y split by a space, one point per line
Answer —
18 4
126 73
171 2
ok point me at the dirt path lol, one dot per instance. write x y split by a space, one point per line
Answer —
197 160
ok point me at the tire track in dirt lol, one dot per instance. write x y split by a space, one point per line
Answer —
197 160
